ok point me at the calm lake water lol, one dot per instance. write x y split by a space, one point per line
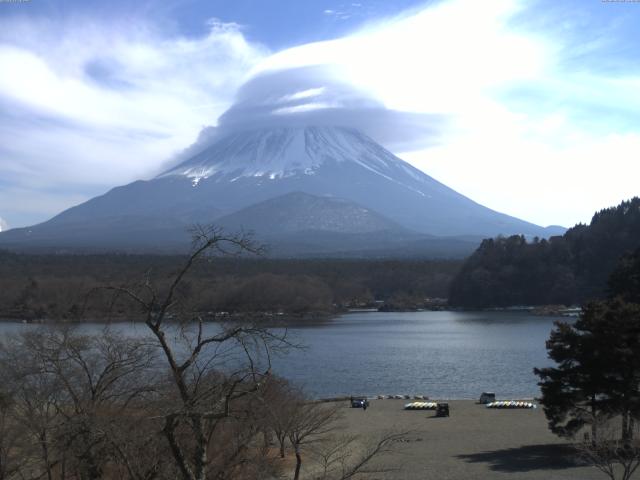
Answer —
439 354
447 355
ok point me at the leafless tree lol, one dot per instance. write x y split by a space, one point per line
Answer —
310 423
70 393
210 369
345 457
13 441
277 403
617 457
35 405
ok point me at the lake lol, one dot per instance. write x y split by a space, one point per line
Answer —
446 355
439 354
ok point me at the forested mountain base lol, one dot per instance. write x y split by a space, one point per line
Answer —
57 287
562 270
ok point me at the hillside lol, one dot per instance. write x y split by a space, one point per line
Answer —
566 269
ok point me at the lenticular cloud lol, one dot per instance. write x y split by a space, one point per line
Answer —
316 96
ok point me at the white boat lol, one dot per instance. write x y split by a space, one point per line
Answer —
421 406
511 404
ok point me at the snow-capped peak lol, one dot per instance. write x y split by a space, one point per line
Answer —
282 152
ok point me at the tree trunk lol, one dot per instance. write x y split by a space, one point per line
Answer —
201 447
625 427
45 453
90 466
594 421
178 455
296 475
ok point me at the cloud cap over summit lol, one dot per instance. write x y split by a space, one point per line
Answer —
316 96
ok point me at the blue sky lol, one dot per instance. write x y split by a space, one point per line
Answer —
528 107
277 24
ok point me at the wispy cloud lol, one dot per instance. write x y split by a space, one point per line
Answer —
101 104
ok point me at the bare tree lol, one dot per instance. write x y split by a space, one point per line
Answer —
14 458
210 369
310 423
617 457
35 408
70 394
347 456
312 429
278 401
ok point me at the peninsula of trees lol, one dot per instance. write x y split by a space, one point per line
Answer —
566 269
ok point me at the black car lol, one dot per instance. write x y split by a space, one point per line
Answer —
442 410
359 402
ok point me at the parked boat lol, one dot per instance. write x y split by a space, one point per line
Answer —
511 404
421 406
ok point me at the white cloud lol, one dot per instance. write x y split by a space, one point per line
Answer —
538 181
266 100
435 60
306 107
303 94
103 104
525 133
157 80
3 225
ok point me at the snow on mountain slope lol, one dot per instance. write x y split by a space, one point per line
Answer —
283 152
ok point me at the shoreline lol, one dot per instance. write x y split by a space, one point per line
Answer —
424 398
320 318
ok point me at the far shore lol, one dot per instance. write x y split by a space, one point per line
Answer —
278 319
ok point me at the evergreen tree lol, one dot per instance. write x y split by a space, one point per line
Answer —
620 325
625 279
574 392
598 361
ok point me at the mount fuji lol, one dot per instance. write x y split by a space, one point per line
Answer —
304 190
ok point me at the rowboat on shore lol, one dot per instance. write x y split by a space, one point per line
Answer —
511 404
421 406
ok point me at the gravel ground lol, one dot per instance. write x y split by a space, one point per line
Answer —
473 443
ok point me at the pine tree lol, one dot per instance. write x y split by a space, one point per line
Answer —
574 392
598 369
